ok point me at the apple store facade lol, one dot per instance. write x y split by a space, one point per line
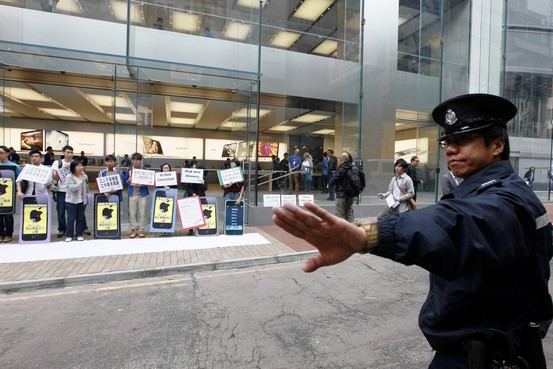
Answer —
216 79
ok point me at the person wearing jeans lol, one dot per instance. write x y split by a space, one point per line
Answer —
60 169
138 196
76 199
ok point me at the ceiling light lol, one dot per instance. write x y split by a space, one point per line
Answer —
69 6
185 107
7 111
120 12
326 47
187 22
59 112
107 100
310 118
324 132
237 31
250 3
243 113
125 117
312 9
25 94
285 39
184 121
235 125
413 115
282 128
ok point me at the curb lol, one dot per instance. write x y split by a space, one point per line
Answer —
29 285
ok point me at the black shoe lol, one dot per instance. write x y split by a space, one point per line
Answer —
87 232
61 234
329 199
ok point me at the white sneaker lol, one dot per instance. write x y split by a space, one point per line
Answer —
68 239
80 238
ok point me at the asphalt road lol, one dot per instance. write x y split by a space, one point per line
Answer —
360 314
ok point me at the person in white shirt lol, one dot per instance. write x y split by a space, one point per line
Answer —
60 169
34 188
401 188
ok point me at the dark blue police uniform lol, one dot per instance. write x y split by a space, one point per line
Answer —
487 246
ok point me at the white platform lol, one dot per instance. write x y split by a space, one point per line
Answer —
75 249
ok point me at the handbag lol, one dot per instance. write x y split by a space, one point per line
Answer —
412 203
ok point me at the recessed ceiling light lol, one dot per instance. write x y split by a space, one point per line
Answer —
312 9
125 117
285 39
25 94
282 128
325 132
243 113
310 118
120 11
188 22
326 47
183 121
185 107
59 112
235 125
250 3
237 30
107 100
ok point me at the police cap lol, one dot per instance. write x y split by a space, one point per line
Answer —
472 112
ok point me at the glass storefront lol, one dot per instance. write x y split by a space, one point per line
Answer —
211 79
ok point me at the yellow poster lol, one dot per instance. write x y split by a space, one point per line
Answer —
163 210
6 192
35 218
210 216
106 218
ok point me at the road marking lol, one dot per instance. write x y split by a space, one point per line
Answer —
184 282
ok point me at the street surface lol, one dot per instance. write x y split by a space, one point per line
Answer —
360 314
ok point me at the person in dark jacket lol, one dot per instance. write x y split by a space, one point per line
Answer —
529 177
412 173
487 245
344 203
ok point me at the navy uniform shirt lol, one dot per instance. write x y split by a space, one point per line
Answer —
487 246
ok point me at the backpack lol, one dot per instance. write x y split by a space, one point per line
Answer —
355 182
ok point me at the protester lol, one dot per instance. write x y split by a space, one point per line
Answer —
75 201
138 199
6 220
60 169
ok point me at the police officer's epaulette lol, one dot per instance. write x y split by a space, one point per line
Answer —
488 184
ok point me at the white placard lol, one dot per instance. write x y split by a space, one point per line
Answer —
190 212
63 172
191 175
143 177
38 174
166 179
229 176
109 183
285 199
271 200
302 199
392 203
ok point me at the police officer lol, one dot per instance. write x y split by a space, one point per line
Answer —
487 244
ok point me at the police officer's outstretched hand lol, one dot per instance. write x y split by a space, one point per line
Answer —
335 238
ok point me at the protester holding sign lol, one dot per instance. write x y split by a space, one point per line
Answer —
234 190
36 186
60 171
6 220
138 194
110 161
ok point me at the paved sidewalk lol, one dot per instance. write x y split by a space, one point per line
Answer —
281 247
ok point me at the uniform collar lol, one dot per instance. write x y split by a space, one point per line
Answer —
490 176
